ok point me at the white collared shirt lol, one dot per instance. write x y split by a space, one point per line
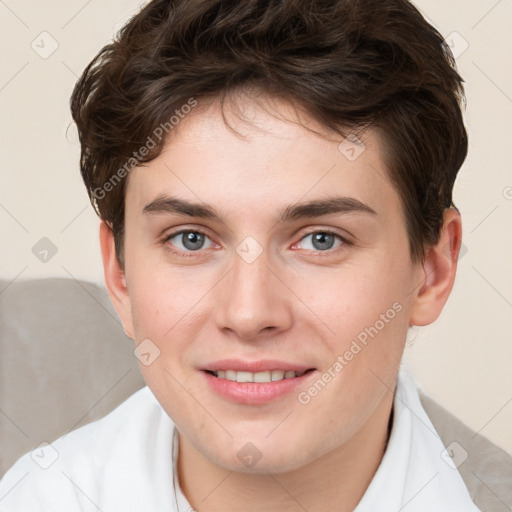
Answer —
126 462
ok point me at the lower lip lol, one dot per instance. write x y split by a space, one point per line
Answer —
255 392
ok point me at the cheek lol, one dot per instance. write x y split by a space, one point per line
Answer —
163 296
171 310
354 296
368 314
366 308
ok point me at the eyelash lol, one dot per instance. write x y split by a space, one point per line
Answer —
188 254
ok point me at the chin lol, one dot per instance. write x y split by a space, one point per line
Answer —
254 457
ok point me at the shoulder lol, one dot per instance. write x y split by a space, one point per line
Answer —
485 468
77 466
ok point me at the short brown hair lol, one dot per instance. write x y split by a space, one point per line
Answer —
350 64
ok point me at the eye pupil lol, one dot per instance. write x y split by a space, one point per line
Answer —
322 241
192 240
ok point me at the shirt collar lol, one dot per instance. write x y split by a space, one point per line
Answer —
413 475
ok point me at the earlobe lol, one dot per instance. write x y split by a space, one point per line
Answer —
438 272
115 279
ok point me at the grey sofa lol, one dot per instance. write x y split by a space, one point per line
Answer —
65 361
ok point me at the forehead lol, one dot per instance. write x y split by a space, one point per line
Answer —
269 158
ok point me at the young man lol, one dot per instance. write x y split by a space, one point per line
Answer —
275 184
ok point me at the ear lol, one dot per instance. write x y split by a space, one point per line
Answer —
438 272
115 279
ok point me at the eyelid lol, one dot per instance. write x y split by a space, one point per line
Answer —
180 231
342 233
330 231
304 234
179 252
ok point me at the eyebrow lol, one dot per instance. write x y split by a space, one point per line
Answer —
310 209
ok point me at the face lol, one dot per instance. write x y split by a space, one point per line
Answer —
234 273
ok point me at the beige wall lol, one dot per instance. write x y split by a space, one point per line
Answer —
462 360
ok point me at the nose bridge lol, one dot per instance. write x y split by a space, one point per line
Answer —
252 298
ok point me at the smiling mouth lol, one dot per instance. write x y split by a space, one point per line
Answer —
258 377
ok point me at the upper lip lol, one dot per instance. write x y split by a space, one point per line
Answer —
255 366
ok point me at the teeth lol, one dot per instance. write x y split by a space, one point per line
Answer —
267 376
277 375
244 377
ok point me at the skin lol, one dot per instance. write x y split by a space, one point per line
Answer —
294 303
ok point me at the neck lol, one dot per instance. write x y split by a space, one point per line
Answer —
334 482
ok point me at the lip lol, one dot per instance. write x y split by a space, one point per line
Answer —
255 393
255 366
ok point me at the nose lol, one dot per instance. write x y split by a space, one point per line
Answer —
253 301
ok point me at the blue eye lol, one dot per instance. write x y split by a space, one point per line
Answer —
323 240
186 242
191 240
